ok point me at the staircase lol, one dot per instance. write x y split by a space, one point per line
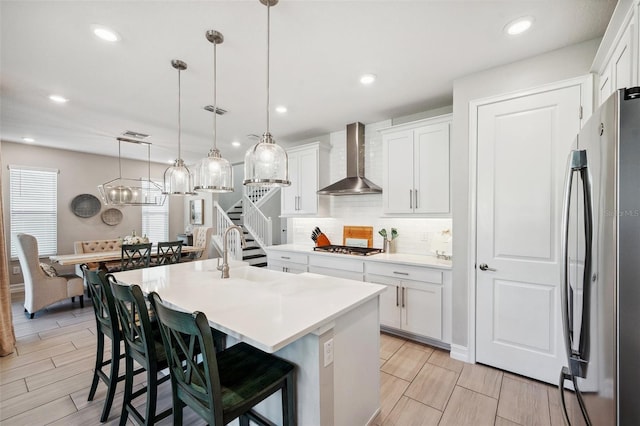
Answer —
257 228
252 253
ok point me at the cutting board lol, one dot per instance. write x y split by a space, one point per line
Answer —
357 233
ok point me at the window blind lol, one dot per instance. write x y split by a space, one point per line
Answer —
33 207
155 222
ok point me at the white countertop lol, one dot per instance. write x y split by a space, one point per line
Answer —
266 309
399 258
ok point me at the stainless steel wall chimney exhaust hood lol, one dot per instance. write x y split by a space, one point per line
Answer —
355 183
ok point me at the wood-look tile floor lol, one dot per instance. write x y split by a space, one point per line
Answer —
46 381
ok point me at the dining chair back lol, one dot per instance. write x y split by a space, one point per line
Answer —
202 236
143 345
169 252
41 290
222 386
107 324
135 256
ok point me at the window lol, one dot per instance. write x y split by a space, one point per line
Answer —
155 222
33 207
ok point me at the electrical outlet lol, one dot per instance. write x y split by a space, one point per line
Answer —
328 352
16 270
425 236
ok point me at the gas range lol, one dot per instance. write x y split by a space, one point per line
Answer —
357 251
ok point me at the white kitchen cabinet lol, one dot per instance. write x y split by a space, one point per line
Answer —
292 262
308 166
414 302
416 176
616 62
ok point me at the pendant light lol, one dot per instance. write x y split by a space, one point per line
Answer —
177 178
214 173
132 192
266 163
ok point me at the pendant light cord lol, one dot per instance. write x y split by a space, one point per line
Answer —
179 116
268 56
119 158
215 97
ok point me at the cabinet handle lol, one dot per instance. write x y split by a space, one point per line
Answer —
416 197
403 289
397 297
411 198
285 257
401 273
298 197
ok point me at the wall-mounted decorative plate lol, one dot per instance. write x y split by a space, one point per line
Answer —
112 217
85 205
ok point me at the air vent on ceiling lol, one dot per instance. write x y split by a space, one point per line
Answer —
219 110
136 135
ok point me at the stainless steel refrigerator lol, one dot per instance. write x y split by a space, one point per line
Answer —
601 268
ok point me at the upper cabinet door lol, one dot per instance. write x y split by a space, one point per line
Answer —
431 169
416 168
398 195
308 172
308 181
289 195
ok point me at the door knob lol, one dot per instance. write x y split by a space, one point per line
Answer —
485 267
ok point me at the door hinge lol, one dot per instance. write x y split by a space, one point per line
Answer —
580 112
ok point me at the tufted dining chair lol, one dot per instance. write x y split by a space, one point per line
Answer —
41 290
202 238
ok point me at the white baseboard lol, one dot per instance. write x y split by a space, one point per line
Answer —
459 352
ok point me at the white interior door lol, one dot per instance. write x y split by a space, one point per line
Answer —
523 144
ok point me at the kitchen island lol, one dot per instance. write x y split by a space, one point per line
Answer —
328 327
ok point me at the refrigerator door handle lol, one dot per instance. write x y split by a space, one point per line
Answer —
585 327
578 360
564 257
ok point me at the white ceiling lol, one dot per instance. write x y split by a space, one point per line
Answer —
319 49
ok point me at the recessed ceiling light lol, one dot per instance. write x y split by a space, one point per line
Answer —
236 143
519 26
28 139
105 33
281 109
367 79
58 99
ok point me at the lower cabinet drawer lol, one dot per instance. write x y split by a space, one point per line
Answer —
404 272
287 257
339 273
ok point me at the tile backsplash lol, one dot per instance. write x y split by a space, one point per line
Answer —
415 235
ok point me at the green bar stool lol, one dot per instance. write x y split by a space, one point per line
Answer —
222 386
107 324
143 344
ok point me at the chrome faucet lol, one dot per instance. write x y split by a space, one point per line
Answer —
225 251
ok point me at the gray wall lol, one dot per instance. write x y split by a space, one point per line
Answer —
569 62
81 173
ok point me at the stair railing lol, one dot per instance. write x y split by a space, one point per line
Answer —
256 222
259 194
222 223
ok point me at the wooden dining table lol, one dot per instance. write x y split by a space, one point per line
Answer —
102 257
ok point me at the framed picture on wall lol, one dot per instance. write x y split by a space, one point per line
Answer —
196 213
